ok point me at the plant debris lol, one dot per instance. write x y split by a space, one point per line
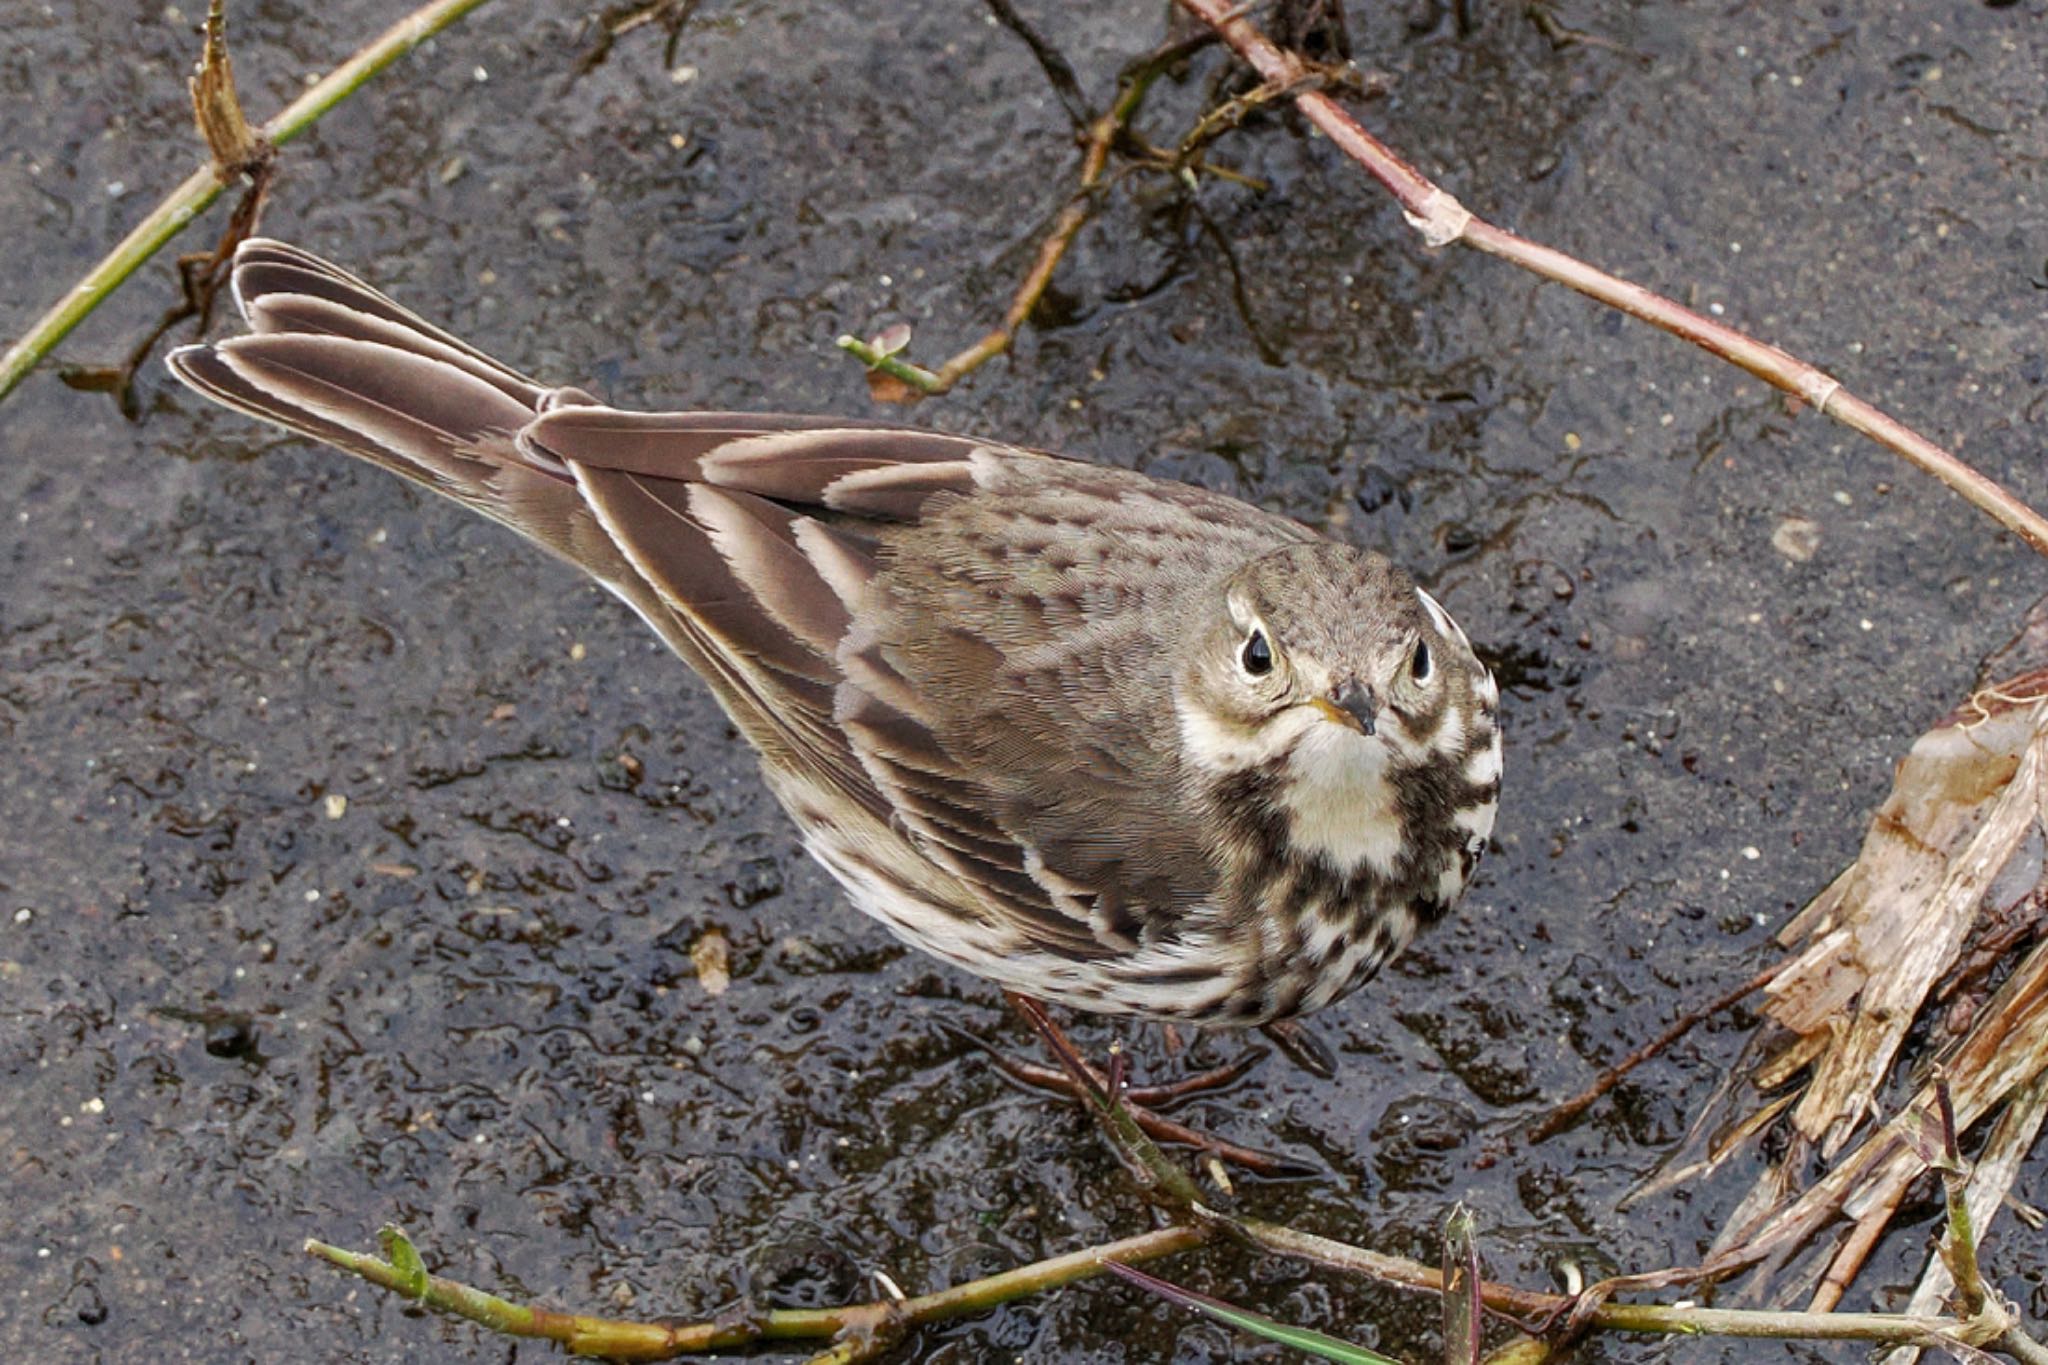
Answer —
1929 950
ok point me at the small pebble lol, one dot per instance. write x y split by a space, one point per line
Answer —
1797 538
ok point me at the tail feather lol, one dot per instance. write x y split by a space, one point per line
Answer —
206 370
291 314
331 358
431 420
269 273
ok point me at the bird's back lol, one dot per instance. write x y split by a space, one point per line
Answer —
955 657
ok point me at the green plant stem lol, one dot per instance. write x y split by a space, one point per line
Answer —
1653 1319
1955 1185
587 1335
202 187
856 1326
917 376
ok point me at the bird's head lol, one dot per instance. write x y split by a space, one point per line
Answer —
1326 668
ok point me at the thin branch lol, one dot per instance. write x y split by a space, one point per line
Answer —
620 20
1102 134
1155 1173
914 381
1565 1113
401 1272
204 185
1971 1295
1464 1325
1059 73
1441 220
1863 1238
239 154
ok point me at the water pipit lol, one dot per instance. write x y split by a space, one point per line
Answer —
1112 741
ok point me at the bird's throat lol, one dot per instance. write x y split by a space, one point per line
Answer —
1340 802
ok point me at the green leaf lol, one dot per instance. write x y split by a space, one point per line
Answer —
1258 1324
405 1260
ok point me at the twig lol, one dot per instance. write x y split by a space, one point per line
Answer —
1463 1324
204 185
1961 1248
896 380
1651 1319
1155 1173
1442 220
1856 1248
620 20
239 153
1561 35
1565 1113
1239 295
1102 134
1059 74
401 1272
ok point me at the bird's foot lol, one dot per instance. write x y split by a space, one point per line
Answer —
1143 1102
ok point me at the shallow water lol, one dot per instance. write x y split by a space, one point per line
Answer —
330 900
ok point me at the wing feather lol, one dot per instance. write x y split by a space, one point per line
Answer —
896 618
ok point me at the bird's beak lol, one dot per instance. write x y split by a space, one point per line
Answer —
1352 706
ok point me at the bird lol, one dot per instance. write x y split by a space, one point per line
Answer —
1115 742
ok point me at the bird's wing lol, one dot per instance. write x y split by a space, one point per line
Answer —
961 639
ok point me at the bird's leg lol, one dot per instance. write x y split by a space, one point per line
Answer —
1081 1080
1160 1096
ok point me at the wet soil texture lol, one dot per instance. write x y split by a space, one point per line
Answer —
352 854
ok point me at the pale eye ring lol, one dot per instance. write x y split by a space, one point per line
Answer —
1420 665
1257 655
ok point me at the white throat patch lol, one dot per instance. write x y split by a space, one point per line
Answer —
1341 803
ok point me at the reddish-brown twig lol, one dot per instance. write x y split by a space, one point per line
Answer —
1565 1113
1442 220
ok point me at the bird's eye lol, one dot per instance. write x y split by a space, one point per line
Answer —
1258 655
1420 665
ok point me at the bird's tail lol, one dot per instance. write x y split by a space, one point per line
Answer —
329 357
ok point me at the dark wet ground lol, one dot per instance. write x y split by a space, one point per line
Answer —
329 900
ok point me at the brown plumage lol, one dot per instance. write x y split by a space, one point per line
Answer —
1108 740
